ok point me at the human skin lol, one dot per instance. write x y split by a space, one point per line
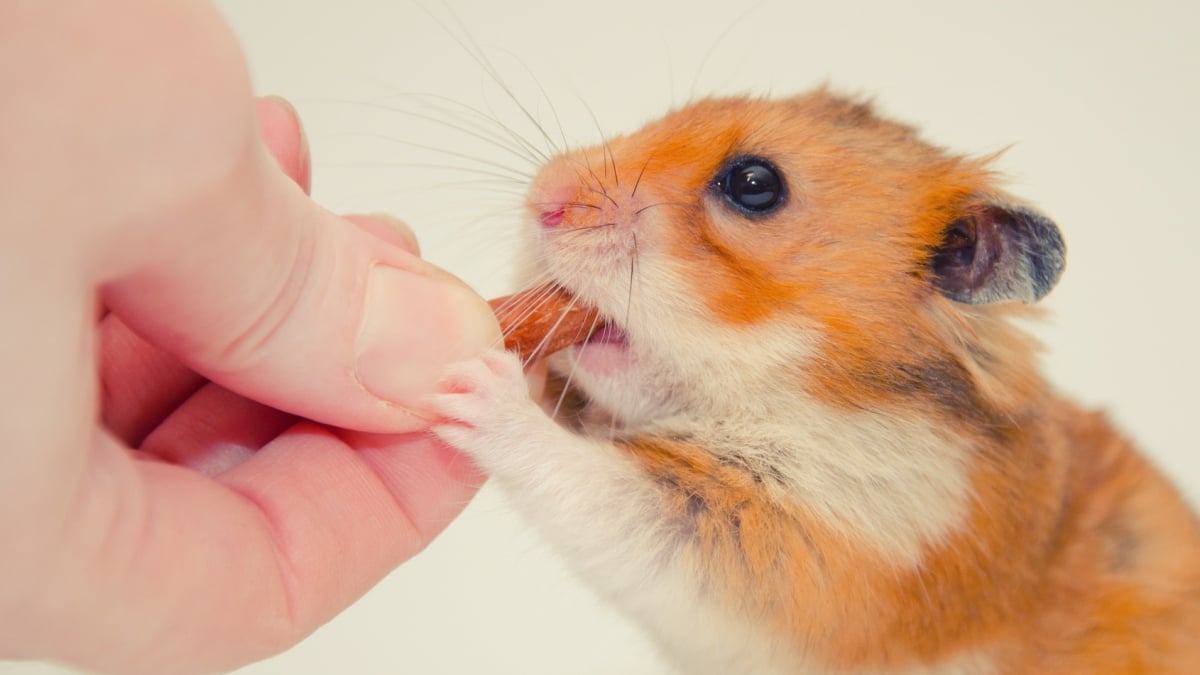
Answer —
212 408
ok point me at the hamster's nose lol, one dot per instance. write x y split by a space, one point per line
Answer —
553 216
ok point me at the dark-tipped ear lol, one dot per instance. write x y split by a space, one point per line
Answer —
999 253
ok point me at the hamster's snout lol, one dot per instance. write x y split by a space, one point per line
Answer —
580 191
551 216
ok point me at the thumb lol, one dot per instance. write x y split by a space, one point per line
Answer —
262 291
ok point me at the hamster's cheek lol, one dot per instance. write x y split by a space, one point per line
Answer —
628 392
603 359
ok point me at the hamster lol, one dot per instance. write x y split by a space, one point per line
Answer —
807 437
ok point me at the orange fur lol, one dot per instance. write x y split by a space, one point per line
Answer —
1086 568
1076 556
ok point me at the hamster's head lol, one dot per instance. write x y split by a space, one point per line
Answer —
743 250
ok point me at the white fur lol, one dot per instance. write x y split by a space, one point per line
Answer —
605 515
896 482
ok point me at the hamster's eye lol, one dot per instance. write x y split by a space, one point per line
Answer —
752 185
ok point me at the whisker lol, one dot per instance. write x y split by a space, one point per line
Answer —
596 179
638 182
562 396
605 147
657 204
569 205
546 97
612 158
540 155
587 162
469 131
603 193
717 43
532 154
424 188
517 173
424 165
522 306
476 52
482 185
584 228
553 328
633 260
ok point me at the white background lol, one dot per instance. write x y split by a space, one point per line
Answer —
1098 100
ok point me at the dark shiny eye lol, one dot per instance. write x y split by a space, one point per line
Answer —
752 185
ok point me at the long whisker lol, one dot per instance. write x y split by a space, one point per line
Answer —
587 162
492 185
528 150
717 43
462 155
603 143
562 396
474 133
425 165
578 230
483 186
521 307
553 329
633 261
546 97
476 52
569 205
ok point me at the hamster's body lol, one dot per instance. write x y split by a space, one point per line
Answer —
808 439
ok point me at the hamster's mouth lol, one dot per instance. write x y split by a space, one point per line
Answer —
545 319
605 351
542 320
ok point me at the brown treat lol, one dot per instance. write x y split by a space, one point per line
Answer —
542 320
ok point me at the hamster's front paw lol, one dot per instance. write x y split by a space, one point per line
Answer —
487 410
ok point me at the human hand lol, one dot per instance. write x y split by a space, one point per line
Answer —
168 294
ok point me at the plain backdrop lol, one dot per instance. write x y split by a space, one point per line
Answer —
1096 102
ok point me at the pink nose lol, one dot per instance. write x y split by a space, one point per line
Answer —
553 217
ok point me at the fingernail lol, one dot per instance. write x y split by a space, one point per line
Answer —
388 228
413 327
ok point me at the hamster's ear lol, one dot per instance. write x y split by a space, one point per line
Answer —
997 253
